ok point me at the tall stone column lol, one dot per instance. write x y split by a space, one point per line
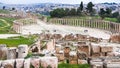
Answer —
67 21
118 28
83 23
51 45
109 26
96 24
105 25
78 22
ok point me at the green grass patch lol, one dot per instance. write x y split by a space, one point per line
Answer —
15 41
2 24
111 19
4 11
64 65
7 29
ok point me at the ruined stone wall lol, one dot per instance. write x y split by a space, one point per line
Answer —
34 62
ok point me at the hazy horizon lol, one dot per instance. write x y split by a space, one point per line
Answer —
55 1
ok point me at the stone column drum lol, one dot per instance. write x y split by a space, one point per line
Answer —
8 64
19 63
22 51
11 53
3 51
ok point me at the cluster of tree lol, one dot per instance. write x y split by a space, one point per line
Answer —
4 7
105 13
108 13
60 12
116 15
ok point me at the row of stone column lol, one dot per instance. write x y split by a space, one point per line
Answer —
99 24
17 27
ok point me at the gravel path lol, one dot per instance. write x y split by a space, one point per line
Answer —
4 36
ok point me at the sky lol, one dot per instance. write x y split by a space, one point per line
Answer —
55 1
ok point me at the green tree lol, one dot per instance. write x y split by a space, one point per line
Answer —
80 9
59 12
115 14
67 12
13 8
4 7
102 13
73 12
108 12
81 6
90 7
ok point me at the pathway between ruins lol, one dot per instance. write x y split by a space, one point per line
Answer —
4 36
63 29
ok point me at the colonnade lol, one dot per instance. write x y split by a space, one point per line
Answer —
91 23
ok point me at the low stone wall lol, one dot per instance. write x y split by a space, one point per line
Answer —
34 62
106 63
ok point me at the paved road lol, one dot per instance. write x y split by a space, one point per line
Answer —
41 26
8 35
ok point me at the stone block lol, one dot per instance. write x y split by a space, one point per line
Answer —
73 61
8 64
85 49
82 55
49 61
57 36
82 61
95 49
96 63
95 55
19 63
66 52
27 63
69 37
106 48
35 62
80 37
115 39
